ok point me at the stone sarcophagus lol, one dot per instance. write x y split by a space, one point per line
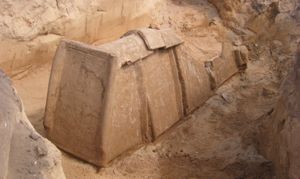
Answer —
104 100
107 99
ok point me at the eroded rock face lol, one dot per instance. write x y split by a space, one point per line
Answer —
35 27
23 152
251 18
281 143
274 23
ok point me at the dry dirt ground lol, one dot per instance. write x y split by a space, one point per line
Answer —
218 141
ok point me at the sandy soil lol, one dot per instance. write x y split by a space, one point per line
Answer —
217 141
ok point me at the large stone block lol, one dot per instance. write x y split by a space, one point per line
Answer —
223 67
104 100
36 27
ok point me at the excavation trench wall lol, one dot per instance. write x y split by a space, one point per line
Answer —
104 100
281 139
264 23
31 30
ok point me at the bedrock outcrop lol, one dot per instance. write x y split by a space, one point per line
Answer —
30 30
23 152
262 20
273 23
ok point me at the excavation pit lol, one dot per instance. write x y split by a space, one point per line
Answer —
104 100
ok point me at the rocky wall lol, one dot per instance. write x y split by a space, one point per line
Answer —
262 20
23 152
276 23
281 130
31 30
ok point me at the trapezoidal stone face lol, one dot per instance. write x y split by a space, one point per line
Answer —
104 100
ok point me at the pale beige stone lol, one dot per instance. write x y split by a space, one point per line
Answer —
36 27
104 100
23 152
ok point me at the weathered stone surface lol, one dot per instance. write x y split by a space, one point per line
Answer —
6 123
194 78
104 100
36 27
76 98
19 142
280 141
155 39
241 58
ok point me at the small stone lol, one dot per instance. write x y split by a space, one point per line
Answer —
41 152
34 136
284 19
266 92
154 26
277 43
286 5
227 97
237 43
169 155
241 58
